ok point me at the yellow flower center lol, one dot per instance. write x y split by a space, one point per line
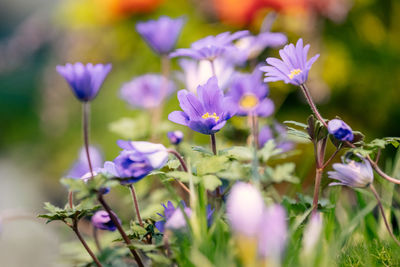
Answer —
214 116
294 73
248 101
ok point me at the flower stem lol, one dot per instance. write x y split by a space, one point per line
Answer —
213 144
120 229
78 234
96 239
383 213
183 164
318 176
319 148
254 130
85 122
70 199
135 202
311 103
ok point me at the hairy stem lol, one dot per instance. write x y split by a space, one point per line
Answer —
318 176
179 157
78 234
383 213
136 204
120 229
312 105
254 130
85 126
71 199
213 144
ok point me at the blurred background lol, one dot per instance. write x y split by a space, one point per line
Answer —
356 77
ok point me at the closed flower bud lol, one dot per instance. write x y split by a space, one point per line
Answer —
101 220
175 137
245 207
340 130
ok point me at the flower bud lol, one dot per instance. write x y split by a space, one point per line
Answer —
340 130
175 137
101 220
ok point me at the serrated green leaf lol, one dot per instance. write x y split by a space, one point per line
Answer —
211 182
211 165
202 150
238 152
235 171
282 173
182 176
298 133
173 164
296 123
269 150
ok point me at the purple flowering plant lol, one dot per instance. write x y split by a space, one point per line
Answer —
239 206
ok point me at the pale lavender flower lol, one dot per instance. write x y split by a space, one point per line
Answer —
210 47
198 72
146 91
352 174
177 220
312 233
293 68
340 130
250 95
278 133
81 166
245 208
273 233
161 35
84 80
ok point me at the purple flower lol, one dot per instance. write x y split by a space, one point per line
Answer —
250 95
273 233
175 137
137 160
102 220
81 166
352 174
161 35
146 91
251 46
276 132
205 113
340 130
198 72
178 221
293 68
84 80
210 47
245 207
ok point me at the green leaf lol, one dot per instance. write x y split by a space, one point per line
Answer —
159 259
59 214
235 171
182 176
211 182
212 164
173 164
296 123
298 133
202 150
238 152
269 150
282 173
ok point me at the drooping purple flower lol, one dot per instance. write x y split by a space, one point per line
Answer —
340 130
179 219
210 47
198 72
293 68
250 95
205 113
273 233
175 137
136 160
161 35
251 46
352 174
101 220
81 166
278 133
146 91
245 208
84 80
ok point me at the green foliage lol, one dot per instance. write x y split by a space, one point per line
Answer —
59 214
